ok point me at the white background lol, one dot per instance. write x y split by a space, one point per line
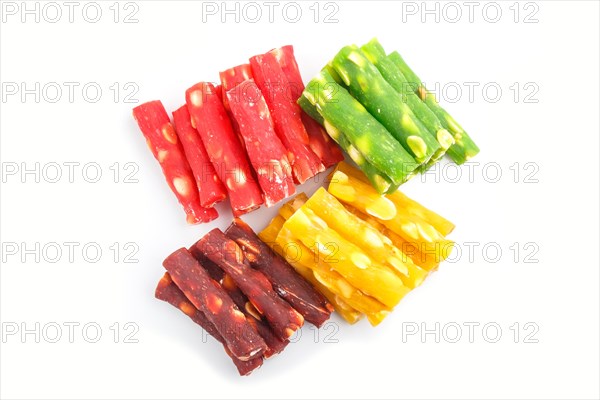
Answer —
171 48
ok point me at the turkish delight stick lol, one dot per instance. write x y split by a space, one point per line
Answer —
267 154
168 291
225 151
154 123
224 252
210 187
208 296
